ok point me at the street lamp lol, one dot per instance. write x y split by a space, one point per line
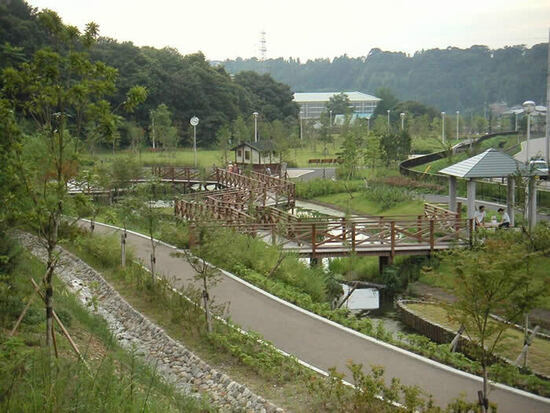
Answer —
402 115
528 107
194 121
330 117
457 123
389 120
443 127
255 126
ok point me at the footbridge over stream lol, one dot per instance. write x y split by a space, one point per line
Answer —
251 204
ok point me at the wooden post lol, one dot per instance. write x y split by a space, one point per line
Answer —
523 353
432 240
392 241
419 225
21 316
353 236
62 327
313 240
123 249
343 229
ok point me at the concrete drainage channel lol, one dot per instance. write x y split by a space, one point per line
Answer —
134 331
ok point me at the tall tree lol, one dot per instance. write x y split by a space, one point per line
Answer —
491 282
339 104
162 129
50 89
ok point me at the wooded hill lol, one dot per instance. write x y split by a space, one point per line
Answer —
450 79
188 85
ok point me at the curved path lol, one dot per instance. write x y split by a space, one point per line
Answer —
325 344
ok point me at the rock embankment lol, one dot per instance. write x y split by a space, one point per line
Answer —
135 332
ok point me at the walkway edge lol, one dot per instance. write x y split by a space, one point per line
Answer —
346 329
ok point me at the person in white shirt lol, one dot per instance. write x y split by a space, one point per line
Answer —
479 217
504 219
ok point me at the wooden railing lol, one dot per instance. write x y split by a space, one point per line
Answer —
364 236
180 174
436 211
210 212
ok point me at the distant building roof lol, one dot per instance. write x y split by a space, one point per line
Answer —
489 164
325 97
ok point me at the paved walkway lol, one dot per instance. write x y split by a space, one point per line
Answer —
324 344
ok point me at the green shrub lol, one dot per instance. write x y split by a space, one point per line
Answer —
105 250
235 252
385 195
320 187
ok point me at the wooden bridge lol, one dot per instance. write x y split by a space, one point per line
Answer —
236 191
381 236
384 236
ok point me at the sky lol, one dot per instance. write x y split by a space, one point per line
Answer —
308 29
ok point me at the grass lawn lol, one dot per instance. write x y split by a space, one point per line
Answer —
207 157
512 344
499 142
360 204
444 275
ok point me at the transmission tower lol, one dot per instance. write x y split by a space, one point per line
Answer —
263 47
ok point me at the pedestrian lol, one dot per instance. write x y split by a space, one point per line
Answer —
504 219
268 171
479 217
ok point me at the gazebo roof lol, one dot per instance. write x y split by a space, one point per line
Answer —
260 146
488 164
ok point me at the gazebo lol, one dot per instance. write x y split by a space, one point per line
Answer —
492 164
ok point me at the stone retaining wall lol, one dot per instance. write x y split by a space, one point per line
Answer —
134 331
432 330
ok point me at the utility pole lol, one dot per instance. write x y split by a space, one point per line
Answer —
457 124
548 104
194 122
443 127
153 127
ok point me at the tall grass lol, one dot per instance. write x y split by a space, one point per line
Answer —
33 380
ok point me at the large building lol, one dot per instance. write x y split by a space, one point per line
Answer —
313 104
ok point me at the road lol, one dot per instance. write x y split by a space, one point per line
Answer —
324 344
537 148
307 174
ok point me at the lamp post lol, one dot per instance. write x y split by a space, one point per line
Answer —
516 121
402 116
457 123
194 121
301 128
528 107
152 114
255 126
388 120
443 127
330 117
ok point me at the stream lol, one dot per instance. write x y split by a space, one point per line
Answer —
386 312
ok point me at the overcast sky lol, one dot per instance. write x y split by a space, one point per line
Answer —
310 28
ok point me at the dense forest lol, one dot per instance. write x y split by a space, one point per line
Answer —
187 85
450 79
